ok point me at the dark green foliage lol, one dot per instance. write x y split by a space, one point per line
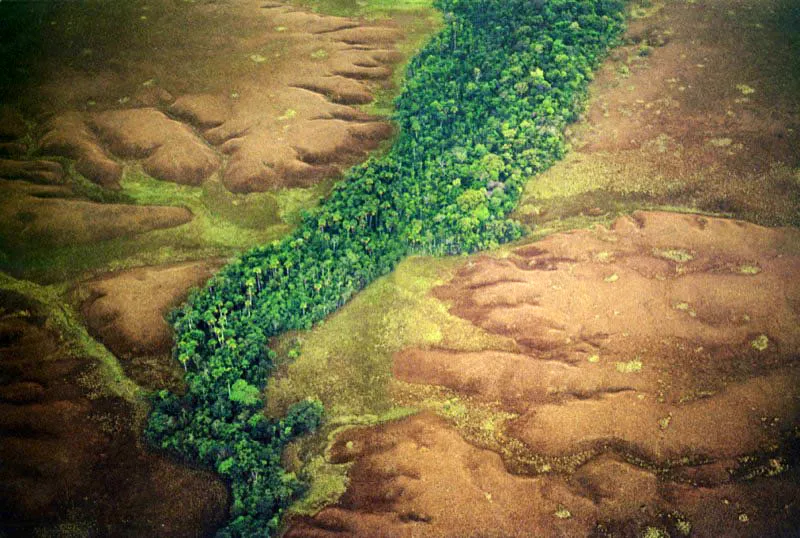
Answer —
484 108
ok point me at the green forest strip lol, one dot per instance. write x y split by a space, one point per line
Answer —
484 108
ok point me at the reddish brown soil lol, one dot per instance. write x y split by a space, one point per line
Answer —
35 171
72 462
418 477
126 311
655 381
700 109
258 93
169 148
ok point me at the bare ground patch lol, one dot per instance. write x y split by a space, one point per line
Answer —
50 215
195 89
126 311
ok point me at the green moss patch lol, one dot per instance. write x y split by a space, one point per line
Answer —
223 225
61 318
630 367
676 255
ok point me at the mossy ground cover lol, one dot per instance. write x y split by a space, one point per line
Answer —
223 225
365 8
60 318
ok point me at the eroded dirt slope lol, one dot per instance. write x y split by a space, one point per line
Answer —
72 460
654 388
126 311
259 92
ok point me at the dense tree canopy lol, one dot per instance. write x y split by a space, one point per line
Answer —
483 109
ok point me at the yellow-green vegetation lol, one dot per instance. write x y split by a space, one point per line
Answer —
644 9
686 307
288 114
63 320
562 513
223 224
720 142
676 255
364 8
655 532
480 424
600 186
653 176
630 367
749 269
759 465
683 526
346 362
663 423
760 343
329 482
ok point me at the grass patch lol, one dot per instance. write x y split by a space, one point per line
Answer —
630 367
61 318
363 8
749 269
345 361
224 224
327 482
676 255
760 343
